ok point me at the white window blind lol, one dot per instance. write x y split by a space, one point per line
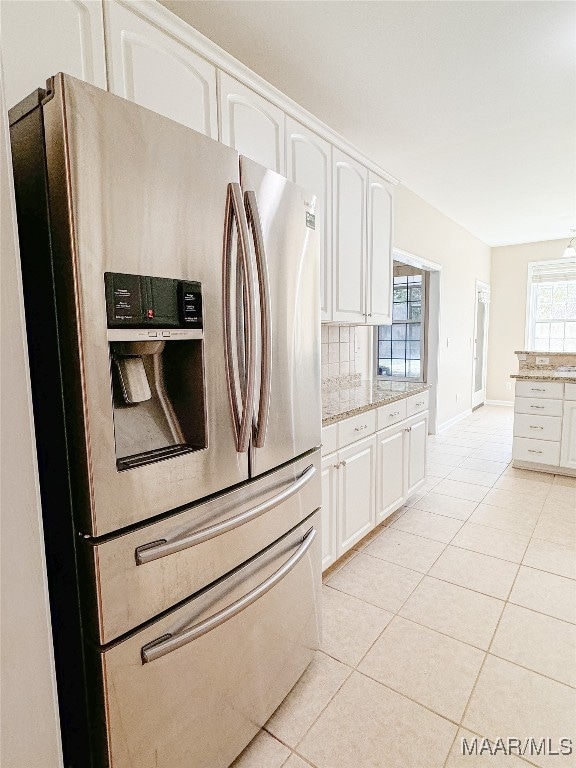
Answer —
551 315
563 271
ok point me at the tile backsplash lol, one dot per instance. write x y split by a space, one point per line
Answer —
338 350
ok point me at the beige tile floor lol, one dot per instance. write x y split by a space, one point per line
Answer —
454 619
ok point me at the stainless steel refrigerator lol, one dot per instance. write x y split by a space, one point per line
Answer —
172 306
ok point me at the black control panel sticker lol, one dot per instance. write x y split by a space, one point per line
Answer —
190 304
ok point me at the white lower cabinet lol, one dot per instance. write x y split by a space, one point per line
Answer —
390 472
568 444
401 467
365 481
415 453
545 426
329 510
356 484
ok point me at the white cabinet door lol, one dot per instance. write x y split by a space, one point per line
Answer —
329 510
379 272
43 38
415 453
309 164
349 226
356 491
568 444
150 67
251 124
389 472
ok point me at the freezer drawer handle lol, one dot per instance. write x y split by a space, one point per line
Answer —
168 643
155 550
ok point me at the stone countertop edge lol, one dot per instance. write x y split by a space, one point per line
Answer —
391 397
542 354
537 376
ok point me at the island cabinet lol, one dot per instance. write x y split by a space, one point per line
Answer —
372 463
158 71
545 426
568 445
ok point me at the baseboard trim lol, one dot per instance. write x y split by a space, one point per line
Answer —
454 420
507 403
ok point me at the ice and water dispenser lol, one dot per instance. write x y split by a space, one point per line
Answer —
155 335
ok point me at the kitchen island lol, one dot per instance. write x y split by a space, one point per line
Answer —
545 412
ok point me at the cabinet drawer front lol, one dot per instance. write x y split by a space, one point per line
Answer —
570 392
539 406
552 389
539 427
391 414
416 403
329 439
538 451
355 428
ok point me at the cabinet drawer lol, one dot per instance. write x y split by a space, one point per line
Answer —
570 392
538 451
329 439
353 429
539 427
539 406
551 389
416 403
391 413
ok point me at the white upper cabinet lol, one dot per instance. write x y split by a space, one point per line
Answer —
349 226
309 164
43 38
379 282
152 68
251 125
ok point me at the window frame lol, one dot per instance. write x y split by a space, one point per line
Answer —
423 334
531 304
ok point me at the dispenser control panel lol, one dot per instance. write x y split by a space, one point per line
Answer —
138 301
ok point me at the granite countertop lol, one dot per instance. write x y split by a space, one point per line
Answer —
568 376
338 404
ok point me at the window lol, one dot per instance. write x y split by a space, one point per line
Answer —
551 321
400 346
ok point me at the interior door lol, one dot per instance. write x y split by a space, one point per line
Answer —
480 343
287 415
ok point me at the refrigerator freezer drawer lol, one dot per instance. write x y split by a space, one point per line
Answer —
179 693
148 570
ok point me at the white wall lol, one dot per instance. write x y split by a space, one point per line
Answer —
29 729
508 309
424 231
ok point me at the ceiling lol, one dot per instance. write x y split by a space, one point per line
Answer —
472 105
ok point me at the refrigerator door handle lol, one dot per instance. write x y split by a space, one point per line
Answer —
253 216
235 211
157 549
168 643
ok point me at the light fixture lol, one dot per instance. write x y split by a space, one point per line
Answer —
570 252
